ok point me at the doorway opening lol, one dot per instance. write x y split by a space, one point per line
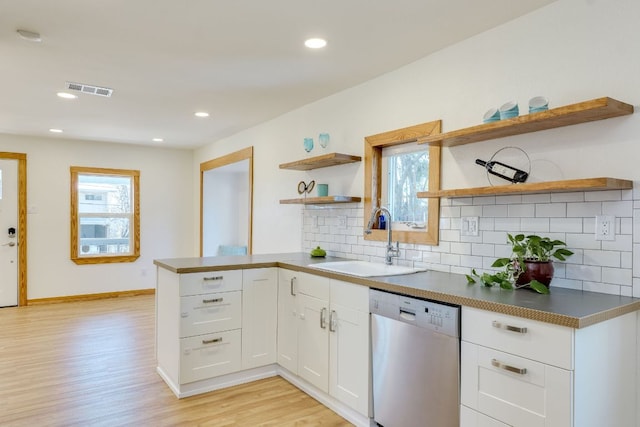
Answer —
226 204
13 231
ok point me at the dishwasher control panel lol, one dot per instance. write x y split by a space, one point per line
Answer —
425 314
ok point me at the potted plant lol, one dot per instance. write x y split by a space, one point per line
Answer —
530 264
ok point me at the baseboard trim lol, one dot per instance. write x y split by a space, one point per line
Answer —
90 297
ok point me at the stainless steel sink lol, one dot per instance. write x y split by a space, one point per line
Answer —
365 268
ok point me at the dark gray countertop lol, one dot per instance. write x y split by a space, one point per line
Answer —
566 307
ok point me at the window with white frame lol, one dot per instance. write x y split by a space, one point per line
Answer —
104 215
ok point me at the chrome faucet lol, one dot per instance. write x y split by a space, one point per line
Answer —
392 251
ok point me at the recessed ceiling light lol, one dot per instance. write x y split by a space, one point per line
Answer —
55 130
31 36
157 140
66 95
202 114
315 43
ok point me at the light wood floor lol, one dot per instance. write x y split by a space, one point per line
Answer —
92 363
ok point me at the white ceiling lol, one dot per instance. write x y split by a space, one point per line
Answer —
241 60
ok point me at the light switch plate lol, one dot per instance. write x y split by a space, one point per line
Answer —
469 226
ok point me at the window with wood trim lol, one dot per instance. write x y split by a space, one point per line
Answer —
105 215
384 153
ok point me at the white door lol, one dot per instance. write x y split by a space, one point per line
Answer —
313 341
8 243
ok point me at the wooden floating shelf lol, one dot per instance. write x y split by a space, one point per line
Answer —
333 159
582 112
320 200
587 184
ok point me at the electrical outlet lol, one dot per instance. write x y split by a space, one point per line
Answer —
605 227
342 221
469 226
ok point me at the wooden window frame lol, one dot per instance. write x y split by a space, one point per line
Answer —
134 226
373 146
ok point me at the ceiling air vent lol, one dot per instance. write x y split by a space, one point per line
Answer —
89 89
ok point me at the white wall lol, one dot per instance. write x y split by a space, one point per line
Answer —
569 51
165 183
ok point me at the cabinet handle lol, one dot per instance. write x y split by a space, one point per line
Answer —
500 365
292 291
332 321
208 301
520 330
323 318
212 341
213 278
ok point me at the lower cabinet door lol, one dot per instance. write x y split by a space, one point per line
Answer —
207 356
287 320
515 390
313 341
259 317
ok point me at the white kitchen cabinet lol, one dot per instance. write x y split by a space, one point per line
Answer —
259 316
349 345
313 341
215 329
331 333
287 320
521 372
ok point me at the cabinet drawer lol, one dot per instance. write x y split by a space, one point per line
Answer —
471 418
212 281
350 295
314 286
513 389
208 356
535 340
207 313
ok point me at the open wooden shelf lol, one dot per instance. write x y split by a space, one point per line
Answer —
332 159
586 184
320 200
582 112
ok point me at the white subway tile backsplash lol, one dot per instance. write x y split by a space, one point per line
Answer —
583 272
601 258
450 211
461 248
482 249
567 197
618 209
509 200
536 198
535 225
484 200
566 225
601 266
618 276
511 225
555 210
495 211
600 196
521 211
495 237
585 241
471 261
584 209
471 211
623 242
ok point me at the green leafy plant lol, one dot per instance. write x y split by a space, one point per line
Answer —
524 248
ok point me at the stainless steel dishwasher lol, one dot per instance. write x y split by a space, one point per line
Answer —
415 361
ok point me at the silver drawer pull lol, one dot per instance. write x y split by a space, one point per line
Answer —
292 281
517 329
323 318
208 301
213 278
212 341
500 365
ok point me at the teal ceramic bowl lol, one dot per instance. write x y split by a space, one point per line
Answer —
492 115
509 110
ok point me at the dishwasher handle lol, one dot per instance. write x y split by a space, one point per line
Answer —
407 314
